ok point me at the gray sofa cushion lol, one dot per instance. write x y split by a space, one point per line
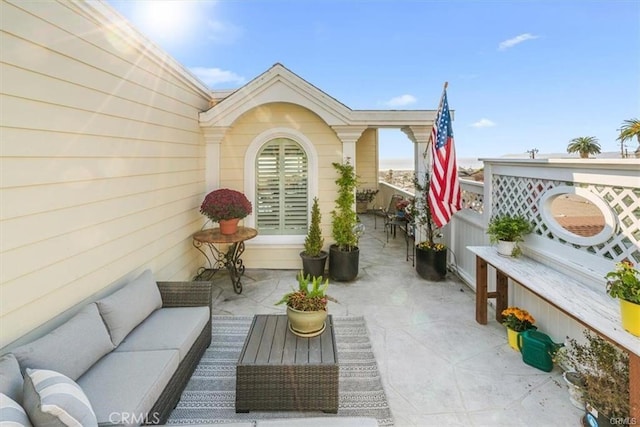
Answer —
168 328
129 306
10 377
52 399
71 348
12 414
123 386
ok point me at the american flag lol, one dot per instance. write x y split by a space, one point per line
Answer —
444 188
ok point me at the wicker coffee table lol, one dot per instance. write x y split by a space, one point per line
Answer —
279 371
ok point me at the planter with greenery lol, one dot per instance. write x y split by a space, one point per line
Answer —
431 256
508 231
516 320
313 257
624 283
363 198
307 306
604 372
344 254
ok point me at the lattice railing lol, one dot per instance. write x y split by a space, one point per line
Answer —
521 195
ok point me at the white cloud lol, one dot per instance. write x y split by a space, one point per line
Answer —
216 76
223 32
516 40
402 100
483 123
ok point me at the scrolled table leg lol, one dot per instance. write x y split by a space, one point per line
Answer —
235 266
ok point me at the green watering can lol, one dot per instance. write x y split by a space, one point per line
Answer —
537 349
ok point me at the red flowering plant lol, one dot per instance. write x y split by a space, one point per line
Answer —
225 204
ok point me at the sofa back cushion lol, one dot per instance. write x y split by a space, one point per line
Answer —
126 308
10 377
72 348
51 399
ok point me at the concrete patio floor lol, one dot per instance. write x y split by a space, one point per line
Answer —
438 366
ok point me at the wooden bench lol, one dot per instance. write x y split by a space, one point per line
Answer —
595 310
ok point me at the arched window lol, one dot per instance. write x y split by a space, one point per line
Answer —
281 188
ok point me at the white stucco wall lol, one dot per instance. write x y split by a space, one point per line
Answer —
101 162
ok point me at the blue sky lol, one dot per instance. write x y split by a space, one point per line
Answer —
522 74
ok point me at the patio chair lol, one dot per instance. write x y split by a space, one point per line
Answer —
391 219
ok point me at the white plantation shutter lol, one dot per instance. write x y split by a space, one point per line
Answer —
281 188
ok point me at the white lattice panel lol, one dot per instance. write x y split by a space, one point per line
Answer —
520 196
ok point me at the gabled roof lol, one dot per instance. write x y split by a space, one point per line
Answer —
279 84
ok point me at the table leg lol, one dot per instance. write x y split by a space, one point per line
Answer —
235 266
634 388
481 291
502 290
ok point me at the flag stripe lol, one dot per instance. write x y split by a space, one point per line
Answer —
444 187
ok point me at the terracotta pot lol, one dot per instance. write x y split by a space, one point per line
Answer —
306 323
229 226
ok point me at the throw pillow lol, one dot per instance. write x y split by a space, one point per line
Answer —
11 413
10 377
53 399
126 308
72 348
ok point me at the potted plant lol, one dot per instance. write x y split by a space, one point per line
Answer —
344 254
624 283
508 231
363 198
226 207
604 369
431 256
516 320
307 306
313 257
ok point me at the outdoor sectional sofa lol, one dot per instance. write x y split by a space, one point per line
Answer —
131 353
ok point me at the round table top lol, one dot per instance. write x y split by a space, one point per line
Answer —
213 235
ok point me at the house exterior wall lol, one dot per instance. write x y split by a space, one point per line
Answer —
102 160
367 159
261 252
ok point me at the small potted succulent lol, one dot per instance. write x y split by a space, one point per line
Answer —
624 283
226 207
307 306
508 231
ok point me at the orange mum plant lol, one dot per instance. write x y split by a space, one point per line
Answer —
517 319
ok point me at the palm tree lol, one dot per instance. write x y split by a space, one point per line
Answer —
584 145
629 130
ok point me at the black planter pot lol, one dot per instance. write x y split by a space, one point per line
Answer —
430 264
343 265
314 265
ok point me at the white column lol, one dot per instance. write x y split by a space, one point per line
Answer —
213 137
349 135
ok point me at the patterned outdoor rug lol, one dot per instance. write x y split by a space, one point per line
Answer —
210 394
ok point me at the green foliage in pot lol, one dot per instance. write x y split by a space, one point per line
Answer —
311 294
366 195
344 218
624 282
313 242
508 228
605 371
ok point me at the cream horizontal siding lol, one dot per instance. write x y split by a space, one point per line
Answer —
367 159
102 161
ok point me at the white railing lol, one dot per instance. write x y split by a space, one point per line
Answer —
523 187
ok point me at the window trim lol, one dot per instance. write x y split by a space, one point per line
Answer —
250 178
